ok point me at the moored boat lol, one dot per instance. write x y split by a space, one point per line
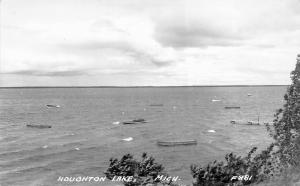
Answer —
232 107
175 143
129 122
250 123
54 106
141 120
244 122
39 126
135 121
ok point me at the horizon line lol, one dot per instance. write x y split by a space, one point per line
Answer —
145 86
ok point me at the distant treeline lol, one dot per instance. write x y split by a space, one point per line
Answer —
142 86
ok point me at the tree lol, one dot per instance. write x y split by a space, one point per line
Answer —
143 172
286 128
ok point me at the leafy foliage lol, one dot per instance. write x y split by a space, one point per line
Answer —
287 123
221 173
144 172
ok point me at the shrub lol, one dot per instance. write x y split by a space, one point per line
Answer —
221 173
286 128
143 172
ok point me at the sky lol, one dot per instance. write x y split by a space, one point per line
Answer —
148 42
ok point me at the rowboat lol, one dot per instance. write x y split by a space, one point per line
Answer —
139 120
39 126
234 107
175 143
129 122
250 123
54 106
135 121
244 122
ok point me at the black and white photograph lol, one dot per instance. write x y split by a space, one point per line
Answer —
149 92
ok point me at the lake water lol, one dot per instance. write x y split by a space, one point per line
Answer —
84 133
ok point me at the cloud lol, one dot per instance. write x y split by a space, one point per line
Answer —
150 53
193 40
219 23
198 24
96 45
48 73
194 35
125 50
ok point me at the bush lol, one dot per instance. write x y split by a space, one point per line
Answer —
143 172
255 168
286 128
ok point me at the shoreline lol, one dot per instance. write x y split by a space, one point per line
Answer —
188 86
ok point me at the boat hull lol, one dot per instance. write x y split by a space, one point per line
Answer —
249 123
39 126
232 107
53 106
135 121
176 143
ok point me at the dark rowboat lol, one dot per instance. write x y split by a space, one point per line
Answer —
129 122
175 143
244 122
139 120
39 126
53 106
232 107
249 123
135 121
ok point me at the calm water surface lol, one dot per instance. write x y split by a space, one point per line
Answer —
83 136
